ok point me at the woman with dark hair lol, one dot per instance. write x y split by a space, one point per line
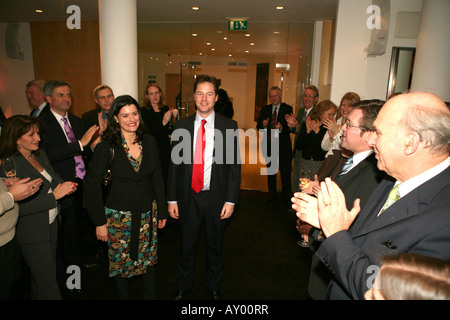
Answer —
37 226
158 119
127 219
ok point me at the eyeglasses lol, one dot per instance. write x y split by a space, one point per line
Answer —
348 124
309 96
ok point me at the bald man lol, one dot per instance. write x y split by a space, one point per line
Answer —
411 144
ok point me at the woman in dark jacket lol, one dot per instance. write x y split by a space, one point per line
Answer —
37 227
127 219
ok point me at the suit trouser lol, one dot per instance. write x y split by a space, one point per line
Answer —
41 260
201 210
285 168
69 237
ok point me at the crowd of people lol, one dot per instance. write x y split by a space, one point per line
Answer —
377 195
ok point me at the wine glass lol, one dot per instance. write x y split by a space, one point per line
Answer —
305 180
10 168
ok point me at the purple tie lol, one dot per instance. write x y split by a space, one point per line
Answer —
80 170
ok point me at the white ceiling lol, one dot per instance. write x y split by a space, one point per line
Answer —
166 26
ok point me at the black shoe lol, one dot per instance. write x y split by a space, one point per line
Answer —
216 295
179 295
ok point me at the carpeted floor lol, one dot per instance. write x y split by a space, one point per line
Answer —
262 259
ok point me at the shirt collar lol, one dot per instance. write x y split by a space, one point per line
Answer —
416 181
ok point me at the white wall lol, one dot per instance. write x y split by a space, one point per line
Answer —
15 73
352 69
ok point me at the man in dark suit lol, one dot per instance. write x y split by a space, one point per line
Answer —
65 140
310 98
206 189
271 118
409 214
354 168
103 97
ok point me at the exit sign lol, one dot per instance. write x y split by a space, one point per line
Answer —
237 25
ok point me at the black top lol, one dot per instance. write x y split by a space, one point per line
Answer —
310 144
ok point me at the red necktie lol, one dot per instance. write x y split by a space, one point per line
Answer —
273 123
199 159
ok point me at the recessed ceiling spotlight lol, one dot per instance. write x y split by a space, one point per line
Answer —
195 8
276 32
280 8
230 55
194 34
225 38
252 43
219 31
208 43
246 51
247 34
39 11
213 49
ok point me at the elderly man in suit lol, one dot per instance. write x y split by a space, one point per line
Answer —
408 213
273 116
206 189
66 141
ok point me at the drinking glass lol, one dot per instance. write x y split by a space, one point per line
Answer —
10 168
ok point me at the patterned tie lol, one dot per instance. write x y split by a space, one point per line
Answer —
80 170
273 123
345 168
199 159
394 195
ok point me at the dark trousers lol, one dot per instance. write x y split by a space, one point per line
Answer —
201 210
10 270
41 260
285 169
69 237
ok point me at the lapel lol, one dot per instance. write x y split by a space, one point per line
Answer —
408 206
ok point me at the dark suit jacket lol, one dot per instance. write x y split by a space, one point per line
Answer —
285 138
299 118
59 151
33 224
225 176
130 190
90 118
358 183
417 223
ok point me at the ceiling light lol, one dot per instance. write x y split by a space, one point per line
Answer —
247 34
276 32
252 43
39 11
208 43
230 55
280 8
246 51
195 8
194 34
225 38
213 49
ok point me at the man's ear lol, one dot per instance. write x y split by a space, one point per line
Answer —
48 99
412 142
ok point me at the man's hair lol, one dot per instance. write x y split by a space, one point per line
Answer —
313 88
53 84
370 109
37 83
431 122
206 78
100 87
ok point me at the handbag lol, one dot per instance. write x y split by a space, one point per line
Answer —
108 175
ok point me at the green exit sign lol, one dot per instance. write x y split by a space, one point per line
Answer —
237 25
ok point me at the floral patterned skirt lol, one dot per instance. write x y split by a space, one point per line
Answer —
119 236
